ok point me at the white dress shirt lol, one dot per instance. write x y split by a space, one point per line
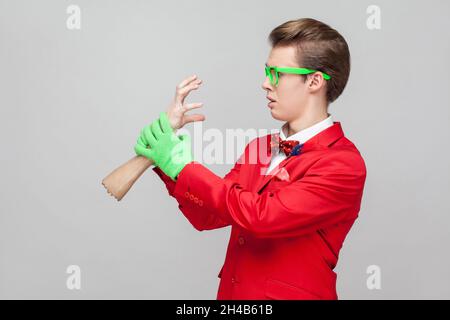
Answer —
302 136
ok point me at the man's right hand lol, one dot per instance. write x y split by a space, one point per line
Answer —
176 112
177 109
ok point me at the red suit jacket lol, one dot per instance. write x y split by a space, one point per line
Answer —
286 232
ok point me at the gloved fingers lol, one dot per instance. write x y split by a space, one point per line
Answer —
174 139
164 122
179 150
141 139
148 135
143 151
156 129
176 155
186 139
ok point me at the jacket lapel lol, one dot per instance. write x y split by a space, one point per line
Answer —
322 140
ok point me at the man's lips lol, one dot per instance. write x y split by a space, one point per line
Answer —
271 102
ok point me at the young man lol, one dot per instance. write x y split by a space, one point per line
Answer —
291 210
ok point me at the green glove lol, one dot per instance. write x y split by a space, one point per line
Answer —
169 152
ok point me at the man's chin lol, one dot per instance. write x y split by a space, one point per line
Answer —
275 114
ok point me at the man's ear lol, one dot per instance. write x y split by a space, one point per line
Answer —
315 81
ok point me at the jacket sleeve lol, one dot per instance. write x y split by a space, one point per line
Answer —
201 217
330 192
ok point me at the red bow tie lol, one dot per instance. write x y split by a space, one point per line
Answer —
286 145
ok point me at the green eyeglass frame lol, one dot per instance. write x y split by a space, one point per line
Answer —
290 70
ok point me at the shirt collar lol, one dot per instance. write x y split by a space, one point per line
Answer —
303 135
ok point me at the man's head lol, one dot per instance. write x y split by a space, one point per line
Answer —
306 43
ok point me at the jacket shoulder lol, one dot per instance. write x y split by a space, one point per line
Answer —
346 153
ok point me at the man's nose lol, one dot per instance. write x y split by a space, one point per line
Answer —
267 85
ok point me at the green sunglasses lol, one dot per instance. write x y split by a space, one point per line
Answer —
272 71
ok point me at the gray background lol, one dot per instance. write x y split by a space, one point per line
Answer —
72 104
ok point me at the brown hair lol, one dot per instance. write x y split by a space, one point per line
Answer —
319 47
